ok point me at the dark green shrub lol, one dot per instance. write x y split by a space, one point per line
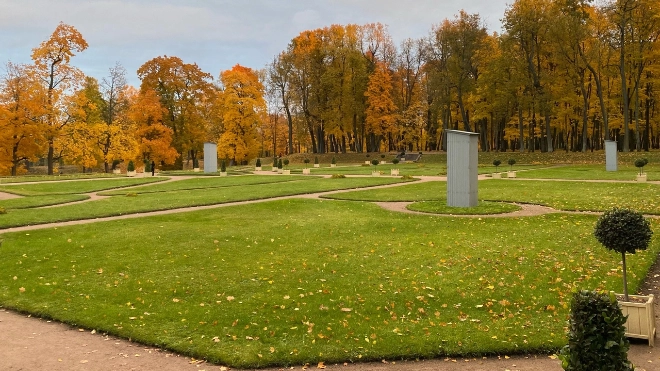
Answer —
147 166
623 231
497 163
130 166
195 163
395 161
274 161
115 163
368 155
286 162
223 167
334 160
279 163
596 334
382 156
511 162
306 161
316 159
374 162
640 163
258 163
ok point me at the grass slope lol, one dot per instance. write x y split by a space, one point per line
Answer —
293 281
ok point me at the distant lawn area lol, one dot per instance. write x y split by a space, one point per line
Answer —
76 186
291 282
590 172
140 199
561 195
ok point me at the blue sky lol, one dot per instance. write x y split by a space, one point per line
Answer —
215 34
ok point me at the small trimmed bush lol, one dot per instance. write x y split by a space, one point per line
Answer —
375 162
258 163
286 162
279 163
640 163
497 163
596 335
223 166
334 161
395 161
382 156
306 161
316 159
147 166
623 231
511 162
130 166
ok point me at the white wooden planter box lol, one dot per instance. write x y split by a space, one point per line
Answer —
317 165
306 171
641 178
116 171
367 162
223 173
257 168
497 175
286 172
280 171
383 162
274 169
394 171
332 165
510 174
130 173
375 173
196 169
641 318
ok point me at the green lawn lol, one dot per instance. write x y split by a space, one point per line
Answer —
484 208
39 201
589 172
296 281
208 182
562 195
76 186
152 201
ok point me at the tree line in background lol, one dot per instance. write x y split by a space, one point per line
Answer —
564 75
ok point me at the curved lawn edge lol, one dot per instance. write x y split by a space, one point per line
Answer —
484 208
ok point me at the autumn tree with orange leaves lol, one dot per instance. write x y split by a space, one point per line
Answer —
381 111
183 89
52 65
242 106
22 103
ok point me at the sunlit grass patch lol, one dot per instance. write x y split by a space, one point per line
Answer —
291 282
483 208
76 186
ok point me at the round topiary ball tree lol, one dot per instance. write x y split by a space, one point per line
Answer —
497 163
624 231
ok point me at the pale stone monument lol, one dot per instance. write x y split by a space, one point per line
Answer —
462 174
210 158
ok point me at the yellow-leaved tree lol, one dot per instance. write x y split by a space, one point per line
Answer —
152 139
242 105
59 78
21 117
381 113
